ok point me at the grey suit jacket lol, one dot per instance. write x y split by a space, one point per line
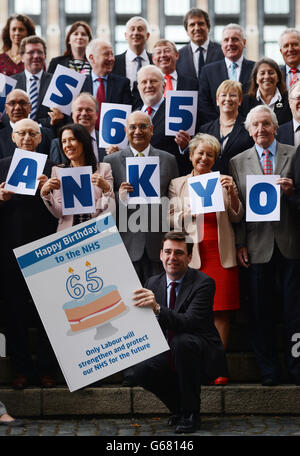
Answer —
147 221
259 237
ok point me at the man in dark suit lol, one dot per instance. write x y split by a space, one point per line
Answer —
182 300
142 240
233 66
102 83
84 112
201 50
165 57
129 62
24 219
35 81
289 132
270 250
18 107
289 42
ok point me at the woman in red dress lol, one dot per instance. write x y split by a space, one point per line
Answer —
213 236
16 28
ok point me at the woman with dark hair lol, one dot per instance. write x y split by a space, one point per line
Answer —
16 28
74 57
267 86
76 144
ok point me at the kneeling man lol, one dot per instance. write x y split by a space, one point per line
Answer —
182 300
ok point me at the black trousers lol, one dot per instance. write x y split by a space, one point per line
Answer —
175 376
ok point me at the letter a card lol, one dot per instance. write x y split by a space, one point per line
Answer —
206 193
144 176
24 169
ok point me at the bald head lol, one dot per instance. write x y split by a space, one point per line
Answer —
101 57
26 134
17 105
139 130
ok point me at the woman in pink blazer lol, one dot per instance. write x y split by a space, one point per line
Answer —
212 234
76 144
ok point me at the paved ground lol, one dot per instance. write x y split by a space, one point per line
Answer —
156 427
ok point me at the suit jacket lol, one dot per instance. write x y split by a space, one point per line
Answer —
259 237
120 63
285 133
57 156
179 198
118 89
7 146
192 314
185 64
212 75
42 111
238 141
296 196
282 109
146 238
105 202
160 141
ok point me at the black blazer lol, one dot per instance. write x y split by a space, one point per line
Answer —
285 133
212 75
118 89
7 146
42 111
120 63
192 314
61 60
238 141
185 64
282 110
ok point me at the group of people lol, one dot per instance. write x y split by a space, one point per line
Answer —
247 123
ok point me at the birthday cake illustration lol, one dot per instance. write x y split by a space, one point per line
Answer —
93 310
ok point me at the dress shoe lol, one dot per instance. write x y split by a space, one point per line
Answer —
47 381
189 422
20 382
174 419
221 381
13 423
269 381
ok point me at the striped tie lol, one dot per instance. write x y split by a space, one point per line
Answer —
33 95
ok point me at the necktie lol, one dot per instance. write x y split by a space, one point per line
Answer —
172 297
100 98
169 85
149 110
294 77
200 61
232 71
33 96
139 63
140 154
267 163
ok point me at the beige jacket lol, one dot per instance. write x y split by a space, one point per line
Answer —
179 198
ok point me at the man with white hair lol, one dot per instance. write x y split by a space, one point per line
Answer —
234 66
129 62
24 219
270 251
289 42
102 83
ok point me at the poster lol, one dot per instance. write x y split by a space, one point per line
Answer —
82 281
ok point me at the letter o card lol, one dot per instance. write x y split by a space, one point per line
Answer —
63 88
206 193
262 198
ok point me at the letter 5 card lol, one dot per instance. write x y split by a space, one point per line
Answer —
262 198
144 175
63 88
206 193
77 190
24 169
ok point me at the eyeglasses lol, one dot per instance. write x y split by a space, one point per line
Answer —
295 98
31 133
31 53
143 126
18 102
